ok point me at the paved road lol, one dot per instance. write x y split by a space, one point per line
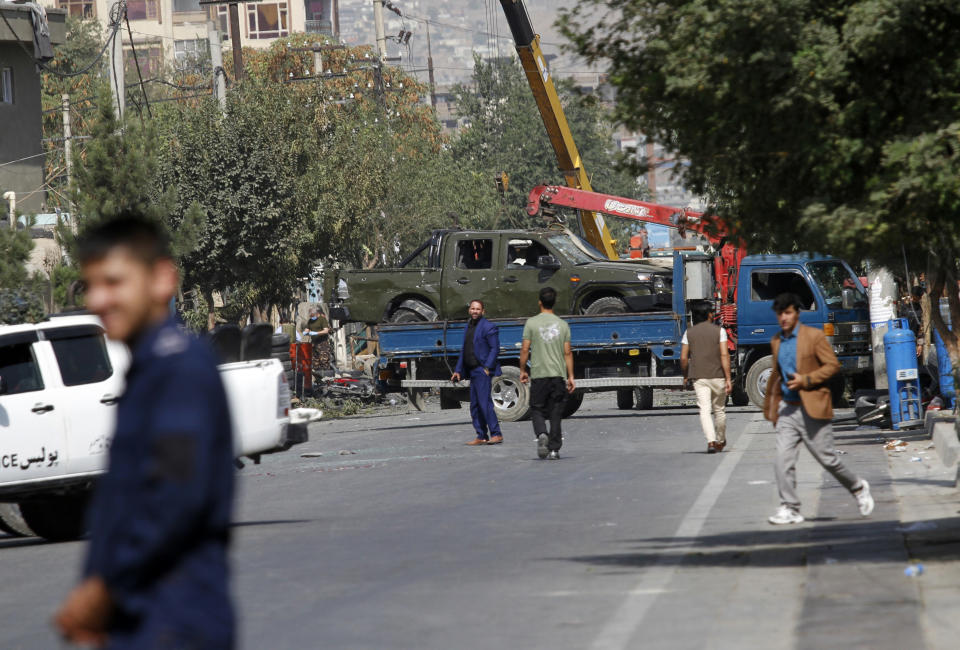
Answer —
636 538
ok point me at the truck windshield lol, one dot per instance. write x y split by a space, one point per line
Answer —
832 278
568 249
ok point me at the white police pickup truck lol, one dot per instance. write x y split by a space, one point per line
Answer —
59 384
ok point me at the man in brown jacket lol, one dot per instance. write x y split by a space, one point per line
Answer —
799 403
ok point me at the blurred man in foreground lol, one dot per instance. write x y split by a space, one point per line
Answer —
155 575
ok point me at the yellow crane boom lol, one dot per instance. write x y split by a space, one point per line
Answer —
548 101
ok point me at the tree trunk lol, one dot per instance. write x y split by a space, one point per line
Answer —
211 312
943 277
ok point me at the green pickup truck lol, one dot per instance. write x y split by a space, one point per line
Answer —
505 269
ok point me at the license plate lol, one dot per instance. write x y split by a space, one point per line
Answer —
863 362
857 329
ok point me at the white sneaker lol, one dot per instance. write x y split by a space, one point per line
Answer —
786 515
864 498
553 455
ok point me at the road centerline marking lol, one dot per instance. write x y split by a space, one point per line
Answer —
620 628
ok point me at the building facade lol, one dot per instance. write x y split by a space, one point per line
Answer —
21 150
175 31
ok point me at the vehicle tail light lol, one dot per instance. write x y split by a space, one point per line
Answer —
829 329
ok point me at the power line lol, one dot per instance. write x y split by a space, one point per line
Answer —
136 60
36 155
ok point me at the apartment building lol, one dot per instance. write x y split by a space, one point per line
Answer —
175 31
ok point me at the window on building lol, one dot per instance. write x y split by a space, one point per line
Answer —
150 58
78 8
268 20
220 14
180 6
189 49
142 9
6 86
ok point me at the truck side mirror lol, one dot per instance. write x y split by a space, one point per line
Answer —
848 298
548 262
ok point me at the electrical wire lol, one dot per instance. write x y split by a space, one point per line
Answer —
36 155
136 60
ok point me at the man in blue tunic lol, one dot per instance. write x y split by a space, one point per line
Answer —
156 569
478 360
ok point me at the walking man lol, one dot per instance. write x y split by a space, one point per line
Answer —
155 574
547 338
799 403
478 361
705 359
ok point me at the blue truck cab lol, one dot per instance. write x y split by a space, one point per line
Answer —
835 301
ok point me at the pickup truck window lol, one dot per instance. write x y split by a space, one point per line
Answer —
524 253
767 285
19 369
568 249
475 254
82 359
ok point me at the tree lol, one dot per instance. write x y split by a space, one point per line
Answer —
827 126
506 133
15 247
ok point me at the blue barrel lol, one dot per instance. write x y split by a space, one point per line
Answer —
903 378
945 370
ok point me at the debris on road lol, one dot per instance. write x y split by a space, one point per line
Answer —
913 570
311 454
347 452
895 445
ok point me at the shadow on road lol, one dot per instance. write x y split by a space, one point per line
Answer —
842 542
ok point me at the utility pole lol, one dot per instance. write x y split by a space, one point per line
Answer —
317 63
433 87
378 21
117 86
235 38
216 58
67 144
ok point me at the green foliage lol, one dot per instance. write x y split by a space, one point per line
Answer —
20 305
62 276
506 133
15 247
828 126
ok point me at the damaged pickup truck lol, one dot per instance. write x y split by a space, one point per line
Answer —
506 270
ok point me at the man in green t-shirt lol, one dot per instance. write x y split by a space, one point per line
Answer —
548 337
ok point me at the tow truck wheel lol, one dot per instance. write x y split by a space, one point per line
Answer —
511 399
757 376
58 519
644 398
11 521
607 305
739 396
572 405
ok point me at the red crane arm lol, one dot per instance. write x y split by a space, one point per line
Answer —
679 218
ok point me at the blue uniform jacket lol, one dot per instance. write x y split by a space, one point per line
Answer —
159 520
486 346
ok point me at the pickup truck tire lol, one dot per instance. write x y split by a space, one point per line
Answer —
11 521
572 404
57 519
739 396
644 396
511 399
756 382
404 315
607 305
280 342
624 399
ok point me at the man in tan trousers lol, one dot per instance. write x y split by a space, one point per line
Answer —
705 359
799 403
